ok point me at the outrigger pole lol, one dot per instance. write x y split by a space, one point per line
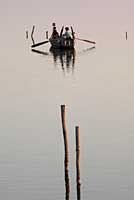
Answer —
40 43
89 41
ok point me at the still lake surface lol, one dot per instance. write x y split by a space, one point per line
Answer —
97 87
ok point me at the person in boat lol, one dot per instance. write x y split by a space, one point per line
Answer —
67 34
55 33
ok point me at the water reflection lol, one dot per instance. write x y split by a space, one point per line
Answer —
40 52
67 183
66 57
78 192
67 180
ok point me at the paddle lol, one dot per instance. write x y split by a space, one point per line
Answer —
40 52
40 43
89 41
72 32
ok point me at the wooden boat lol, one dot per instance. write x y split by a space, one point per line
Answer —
62 43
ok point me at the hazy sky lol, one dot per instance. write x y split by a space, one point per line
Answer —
82 11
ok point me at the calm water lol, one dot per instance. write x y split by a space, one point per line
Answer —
96 84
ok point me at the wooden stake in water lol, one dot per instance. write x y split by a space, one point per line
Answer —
26 34
126 35
65 135
32 31
32 34
46 34
66 148
77 135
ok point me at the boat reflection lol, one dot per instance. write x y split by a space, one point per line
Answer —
66 57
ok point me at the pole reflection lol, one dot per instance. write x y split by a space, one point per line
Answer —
40 52
67 181
78 192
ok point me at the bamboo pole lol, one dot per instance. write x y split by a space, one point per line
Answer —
33 40
46 34
126 35
32 34
77 132
66 148
65 136
77 135
26 34
32 31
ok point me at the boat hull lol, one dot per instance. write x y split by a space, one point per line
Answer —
62 43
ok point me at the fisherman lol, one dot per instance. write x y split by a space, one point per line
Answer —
55 33
67 34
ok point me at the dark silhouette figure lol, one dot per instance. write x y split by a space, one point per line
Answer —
55 33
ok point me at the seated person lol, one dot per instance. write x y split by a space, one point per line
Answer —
67 33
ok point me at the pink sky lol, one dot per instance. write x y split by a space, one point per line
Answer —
81 10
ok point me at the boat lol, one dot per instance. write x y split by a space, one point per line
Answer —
62 43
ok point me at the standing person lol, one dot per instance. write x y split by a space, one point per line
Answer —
55 33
